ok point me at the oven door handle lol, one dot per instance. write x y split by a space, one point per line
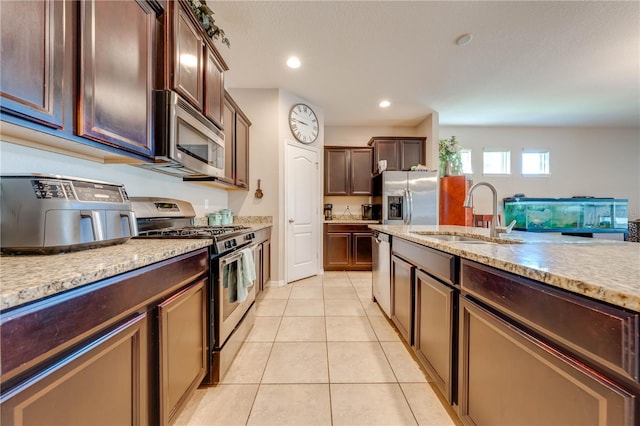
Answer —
231 259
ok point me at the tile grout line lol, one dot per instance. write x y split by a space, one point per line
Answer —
326 335
265 365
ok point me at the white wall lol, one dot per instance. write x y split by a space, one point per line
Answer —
138 182
429 127
601 162
268 111
360 135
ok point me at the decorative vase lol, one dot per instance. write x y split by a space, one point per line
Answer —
447 168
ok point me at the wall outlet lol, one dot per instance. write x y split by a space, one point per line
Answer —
206 204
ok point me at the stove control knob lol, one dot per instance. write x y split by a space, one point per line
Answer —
227 244
234 243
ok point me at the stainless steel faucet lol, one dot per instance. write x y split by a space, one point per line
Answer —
468 203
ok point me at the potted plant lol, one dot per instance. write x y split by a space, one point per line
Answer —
205 15
449 156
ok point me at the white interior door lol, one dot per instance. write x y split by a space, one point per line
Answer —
301 221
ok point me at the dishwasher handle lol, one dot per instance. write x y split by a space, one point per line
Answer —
380 237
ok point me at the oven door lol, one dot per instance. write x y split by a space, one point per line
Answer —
228 306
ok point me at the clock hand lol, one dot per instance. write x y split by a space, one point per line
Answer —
300 121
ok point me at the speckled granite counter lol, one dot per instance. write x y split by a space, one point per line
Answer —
600 269
27 278
259 226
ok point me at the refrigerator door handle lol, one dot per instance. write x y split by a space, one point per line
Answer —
405 207
410 209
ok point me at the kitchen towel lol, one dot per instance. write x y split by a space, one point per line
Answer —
246 274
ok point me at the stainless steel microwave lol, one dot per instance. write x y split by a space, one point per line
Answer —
187 143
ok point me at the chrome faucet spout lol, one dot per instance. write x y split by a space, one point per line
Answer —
468 203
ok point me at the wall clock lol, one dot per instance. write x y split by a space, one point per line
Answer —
303 123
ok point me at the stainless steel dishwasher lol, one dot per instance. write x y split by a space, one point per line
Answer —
381 270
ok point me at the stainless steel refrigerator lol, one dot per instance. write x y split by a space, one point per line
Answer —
407 198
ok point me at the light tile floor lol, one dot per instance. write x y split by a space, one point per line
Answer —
320 353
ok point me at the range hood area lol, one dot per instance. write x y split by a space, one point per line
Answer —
187 144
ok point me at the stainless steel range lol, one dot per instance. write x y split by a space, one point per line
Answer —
231 313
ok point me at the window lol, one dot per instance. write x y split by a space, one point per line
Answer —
535 162
496 162
465 158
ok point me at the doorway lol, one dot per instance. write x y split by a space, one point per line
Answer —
301 211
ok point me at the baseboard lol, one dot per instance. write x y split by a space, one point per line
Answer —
279 283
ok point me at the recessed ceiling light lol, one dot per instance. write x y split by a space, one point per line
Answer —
384 104
464 39
293 62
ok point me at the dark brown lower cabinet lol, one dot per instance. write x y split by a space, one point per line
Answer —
262 258
102 383
434 330
257 260
509 377
183 347
347 247
337 250
402 274
97 355
266 262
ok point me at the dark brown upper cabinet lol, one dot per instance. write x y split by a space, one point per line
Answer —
188 63
347 171
213 88
117 73
401 153
236 144
195 67
33 45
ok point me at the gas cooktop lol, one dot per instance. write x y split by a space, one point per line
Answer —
196 232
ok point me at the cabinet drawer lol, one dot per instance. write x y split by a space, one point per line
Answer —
346 227
592 330
439 264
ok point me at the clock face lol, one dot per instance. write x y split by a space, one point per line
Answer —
303 123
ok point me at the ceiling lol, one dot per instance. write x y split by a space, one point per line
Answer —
560 63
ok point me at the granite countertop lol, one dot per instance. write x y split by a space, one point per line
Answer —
27 278
257 227
601 269
353 220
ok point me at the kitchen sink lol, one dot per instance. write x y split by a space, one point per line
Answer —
453 238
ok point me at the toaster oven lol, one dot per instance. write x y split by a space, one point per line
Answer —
51 213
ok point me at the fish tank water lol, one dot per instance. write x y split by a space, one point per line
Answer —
572 215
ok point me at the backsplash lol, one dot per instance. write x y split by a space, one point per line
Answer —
244 220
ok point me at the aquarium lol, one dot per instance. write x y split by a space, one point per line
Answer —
567 214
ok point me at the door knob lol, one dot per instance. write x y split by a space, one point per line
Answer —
291 220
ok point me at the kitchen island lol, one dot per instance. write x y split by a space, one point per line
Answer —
524 328
605 270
